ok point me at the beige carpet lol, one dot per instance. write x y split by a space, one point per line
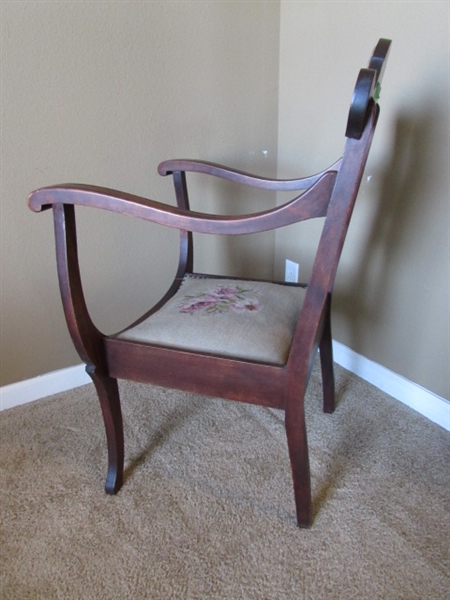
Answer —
207 508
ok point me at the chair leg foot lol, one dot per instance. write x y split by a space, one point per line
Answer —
303 506
108 394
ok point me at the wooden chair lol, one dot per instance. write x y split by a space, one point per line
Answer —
245 340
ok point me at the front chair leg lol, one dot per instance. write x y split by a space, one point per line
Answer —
108 394
298 453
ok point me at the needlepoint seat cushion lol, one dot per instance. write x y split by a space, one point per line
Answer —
245 319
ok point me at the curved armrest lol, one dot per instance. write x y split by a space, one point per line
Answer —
168 167
313 203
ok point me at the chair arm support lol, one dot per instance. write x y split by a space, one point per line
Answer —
88 340
313 203
168 167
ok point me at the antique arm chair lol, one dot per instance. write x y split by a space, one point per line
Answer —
246 340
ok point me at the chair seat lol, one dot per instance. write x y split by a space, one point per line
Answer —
250 320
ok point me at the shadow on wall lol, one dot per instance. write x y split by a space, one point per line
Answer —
400 193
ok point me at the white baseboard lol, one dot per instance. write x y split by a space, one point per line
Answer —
423 401
428 404
42 386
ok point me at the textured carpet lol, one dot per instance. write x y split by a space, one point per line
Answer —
207 507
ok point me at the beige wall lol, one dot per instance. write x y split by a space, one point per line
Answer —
101 93
392 293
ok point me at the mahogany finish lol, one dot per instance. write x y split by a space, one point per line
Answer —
330 194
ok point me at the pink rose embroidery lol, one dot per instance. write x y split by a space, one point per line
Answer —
221 299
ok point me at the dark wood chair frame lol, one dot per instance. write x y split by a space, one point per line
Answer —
330 194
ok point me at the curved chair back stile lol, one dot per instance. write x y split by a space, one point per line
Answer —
193 339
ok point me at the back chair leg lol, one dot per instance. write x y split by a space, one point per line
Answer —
326 363
108 394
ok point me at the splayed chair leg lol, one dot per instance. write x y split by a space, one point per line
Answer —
298 453
326 363
108 394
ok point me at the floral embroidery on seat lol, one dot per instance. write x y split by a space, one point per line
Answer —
221 299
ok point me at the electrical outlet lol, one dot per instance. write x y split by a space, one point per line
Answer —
291 271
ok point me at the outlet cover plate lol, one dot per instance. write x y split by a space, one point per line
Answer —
291 271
